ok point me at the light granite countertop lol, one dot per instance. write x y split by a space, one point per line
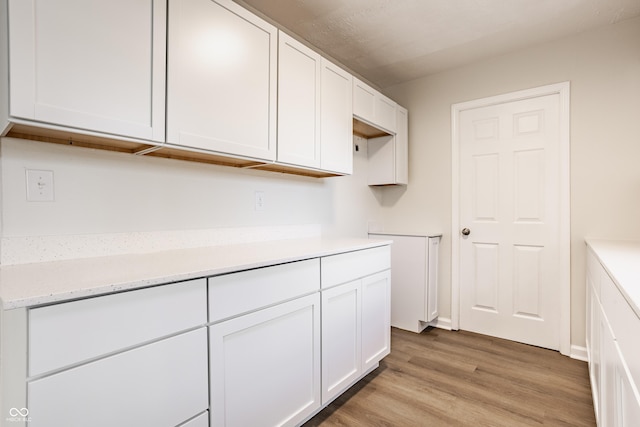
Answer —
35 284
621 259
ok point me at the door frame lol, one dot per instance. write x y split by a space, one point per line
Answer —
563 90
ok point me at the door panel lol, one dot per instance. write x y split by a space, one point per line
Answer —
509 199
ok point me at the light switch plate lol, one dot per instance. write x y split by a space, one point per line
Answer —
39 185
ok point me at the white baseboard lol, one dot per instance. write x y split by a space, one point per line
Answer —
579 353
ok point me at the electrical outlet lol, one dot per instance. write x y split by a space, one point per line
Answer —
39 185
259 200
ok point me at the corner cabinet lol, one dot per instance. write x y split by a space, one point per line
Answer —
222 79
70 67
612 348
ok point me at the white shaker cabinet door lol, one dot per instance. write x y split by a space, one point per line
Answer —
298 103
90 65
265 366
373 107
222 77
376 318
341 338
160 384
402 146
336 119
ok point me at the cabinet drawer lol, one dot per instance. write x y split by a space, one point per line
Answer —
624 323
342 268
237 293
68 333
160 384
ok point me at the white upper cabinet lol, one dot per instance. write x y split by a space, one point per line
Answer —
336 119
222 77
315 110
89 65
298 103
373 108
389 155
402 146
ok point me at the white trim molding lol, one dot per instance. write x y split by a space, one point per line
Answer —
563 90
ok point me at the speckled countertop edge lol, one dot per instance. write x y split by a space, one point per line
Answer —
29 285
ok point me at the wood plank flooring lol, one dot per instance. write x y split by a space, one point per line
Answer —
447 378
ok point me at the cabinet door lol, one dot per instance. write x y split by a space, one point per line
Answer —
627 397
594 350
431 305
341 338
298 103
89 64
373 107
222 77
364 101
336 119
401 158
607 380
265 366
160 384
376 321
386 113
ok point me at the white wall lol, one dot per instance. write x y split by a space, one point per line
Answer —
101 192
604 69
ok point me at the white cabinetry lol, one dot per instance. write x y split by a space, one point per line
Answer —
89 65
612 349
161 384
389 154
341 338
414 272
314 110
373 108
336 128
222 77
298 103
265 366
91 361
269 357
355 317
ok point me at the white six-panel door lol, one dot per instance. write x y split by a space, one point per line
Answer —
509 200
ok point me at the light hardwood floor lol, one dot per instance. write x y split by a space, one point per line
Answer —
446 378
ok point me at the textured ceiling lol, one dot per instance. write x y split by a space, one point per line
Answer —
392 41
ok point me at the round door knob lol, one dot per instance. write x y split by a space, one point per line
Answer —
465 231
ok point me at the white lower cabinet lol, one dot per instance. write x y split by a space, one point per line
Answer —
160 384
341 338
611 354
265 366
267 346
356 329
376 326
